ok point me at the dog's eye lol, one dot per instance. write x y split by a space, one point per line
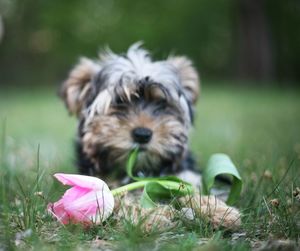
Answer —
119 107
120 115
160 106
120 104
119 101
161 101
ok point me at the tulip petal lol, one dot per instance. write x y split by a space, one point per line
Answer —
74 193
57 209
89 200
80 180
95 205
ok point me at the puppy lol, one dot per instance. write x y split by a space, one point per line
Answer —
128 101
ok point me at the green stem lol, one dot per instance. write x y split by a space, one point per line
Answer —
140 184
129 187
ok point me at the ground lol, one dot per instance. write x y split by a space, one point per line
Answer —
258 127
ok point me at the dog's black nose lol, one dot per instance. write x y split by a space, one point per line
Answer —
141 135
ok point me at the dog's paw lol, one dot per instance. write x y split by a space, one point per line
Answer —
218 213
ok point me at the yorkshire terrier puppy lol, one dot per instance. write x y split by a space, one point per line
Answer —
127 101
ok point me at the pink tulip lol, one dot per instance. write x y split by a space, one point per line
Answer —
88 201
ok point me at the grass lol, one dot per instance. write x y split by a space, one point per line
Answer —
258 128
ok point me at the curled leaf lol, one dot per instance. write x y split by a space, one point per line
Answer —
221 164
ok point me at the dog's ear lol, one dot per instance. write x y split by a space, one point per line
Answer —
77 87
188 75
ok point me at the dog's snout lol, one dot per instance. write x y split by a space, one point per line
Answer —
141 135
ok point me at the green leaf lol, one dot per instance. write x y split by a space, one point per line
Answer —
130 163
221 164
157 188
162 190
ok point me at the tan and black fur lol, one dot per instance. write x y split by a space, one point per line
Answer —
125 101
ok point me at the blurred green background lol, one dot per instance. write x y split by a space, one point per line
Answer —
247 53
227 39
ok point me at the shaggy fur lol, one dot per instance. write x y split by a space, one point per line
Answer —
125 101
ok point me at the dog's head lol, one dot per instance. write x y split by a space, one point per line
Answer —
124 101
